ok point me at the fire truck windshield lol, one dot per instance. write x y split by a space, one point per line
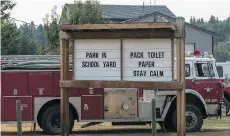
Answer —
204 69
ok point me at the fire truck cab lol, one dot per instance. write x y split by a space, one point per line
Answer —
36 85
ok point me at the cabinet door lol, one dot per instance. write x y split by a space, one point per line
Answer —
40 83
14 84
9 109
91 107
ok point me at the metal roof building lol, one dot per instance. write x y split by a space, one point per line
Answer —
196 37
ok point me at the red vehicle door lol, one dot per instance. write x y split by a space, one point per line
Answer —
206 82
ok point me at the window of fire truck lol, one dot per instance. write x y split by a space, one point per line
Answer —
220 71
187 70
204 69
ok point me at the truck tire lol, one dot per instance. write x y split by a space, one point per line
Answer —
194 118
226 107
50 120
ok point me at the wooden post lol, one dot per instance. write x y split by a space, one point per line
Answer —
183 96
73 64
121 58
180 78
154 130
178 60
64 50
172 48
19 117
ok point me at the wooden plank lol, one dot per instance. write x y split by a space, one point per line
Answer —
178 72
64 35
181 78
120 84
183 96
64 50
117 34
81 27
177 35
121 58
73 64
19 117
154 129
172 48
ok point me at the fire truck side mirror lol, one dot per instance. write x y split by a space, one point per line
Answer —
193 80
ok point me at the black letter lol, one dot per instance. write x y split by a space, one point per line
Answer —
87 55
103 54
131 54
134 73
161 73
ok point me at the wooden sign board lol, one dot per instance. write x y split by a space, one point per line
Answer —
127 59
123 56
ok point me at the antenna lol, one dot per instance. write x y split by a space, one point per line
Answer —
150 2
143 4
155 2
143 7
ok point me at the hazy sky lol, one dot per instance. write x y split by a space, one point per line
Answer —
35 10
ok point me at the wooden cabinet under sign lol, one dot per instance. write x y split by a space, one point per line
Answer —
9 109
91 107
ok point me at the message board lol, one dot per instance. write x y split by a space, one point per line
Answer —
147 60
142 59
97 59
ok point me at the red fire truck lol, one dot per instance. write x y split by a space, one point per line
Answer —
36 85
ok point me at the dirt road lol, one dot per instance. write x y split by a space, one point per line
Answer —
210 128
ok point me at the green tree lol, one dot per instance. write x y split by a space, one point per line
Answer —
222 51
51 27
88 12
194 20
6 7
27 30
40 35
14 42
9 31
221 27
191 20
202 20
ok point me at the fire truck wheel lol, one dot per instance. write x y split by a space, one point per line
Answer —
226 106
51 120
194 118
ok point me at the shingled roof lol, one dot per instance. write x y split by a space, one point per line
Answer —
123 13
130 11
133 11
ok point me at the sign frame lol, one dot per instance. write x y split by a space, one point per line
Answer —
163 30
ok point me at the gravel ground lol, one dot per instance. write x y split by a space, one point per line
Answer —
210 128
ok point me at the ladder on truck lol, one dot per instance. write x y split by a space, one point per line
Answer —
15 59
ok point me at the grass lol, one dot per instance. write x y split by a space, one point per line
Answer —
220 127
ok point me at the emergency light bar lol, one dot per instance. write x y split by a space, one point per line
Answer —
193 53
197 53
